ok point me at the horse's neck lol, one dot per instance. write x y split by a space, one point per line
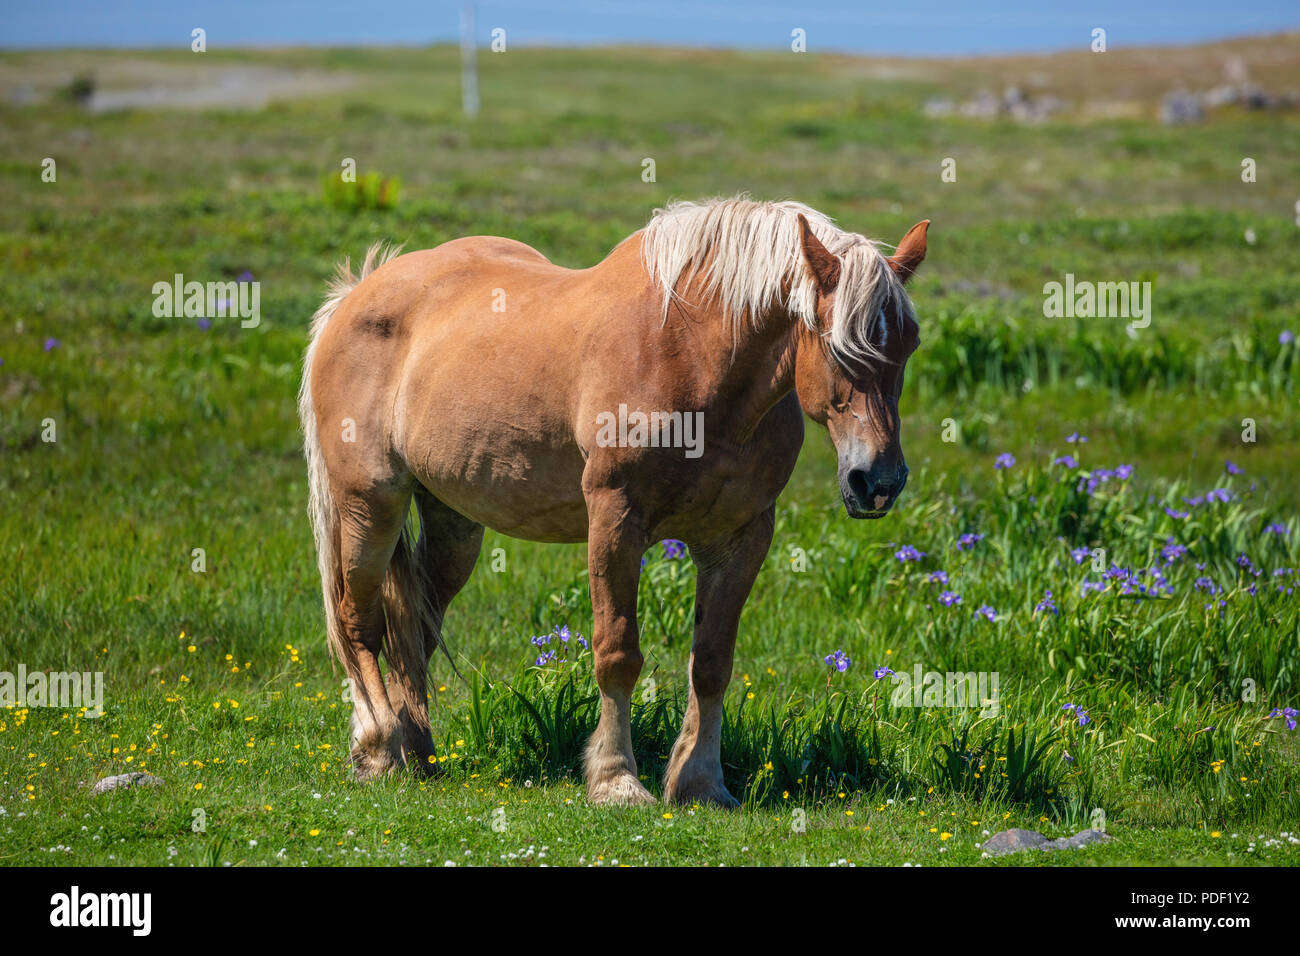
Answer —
757 369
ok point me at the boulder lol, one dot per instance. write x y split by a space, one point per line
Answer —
124 781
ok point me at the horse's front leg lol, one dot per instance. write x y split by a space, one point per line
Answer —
726 572
615 544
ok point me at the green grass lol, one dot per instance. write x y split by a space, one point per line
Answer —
172 438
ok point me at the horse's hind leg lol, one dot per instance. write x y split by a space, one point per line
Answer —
445 556
371 525
727 570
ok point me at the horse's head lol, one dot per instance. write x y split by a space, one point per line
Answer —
850 376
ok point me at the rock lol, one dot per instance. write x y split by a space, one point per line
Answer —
1080 839
1015 840
1179 109
125 781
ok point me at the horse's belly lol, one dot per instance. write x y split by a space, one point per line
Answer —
519 487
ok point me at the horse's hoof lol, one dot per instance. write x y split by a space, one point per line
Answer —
705 792
624 790
369 764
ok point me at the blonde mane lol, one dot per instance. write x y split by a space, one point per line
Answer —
747 254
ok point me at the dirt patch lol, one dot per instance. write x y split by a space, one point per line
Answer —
123 83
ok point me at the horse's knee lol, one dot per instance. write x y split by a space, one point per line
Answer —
710 675
617 670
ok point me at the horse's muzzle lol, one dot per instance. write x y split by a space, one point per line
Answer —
867 493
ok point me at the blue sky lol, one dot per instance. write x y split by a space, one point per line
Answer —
906 27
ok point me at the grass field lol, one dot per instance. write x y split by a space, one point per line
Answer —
1179 643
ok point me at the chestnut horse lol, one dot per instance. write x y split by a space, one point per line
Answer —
482 381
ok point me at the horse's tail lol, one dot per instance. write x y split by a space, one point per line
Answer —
320 501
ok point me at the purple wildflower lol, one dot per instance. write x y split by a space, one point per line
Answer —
1004 460
1173 551
908 553
949 598
968 541
839 660
881 672
673 548
1232 469
1069 461
938 577
1046 604
1080 713
564 635
987 612
1076 437
1285 337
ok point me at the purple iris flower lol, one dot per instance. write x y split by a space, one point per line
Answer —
908 553
949 598
1288 713
1080 713
881 672
968 541
673 548
1004 460
1046 604
839 660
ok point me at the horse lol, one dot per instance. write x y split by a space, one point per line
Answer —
478 380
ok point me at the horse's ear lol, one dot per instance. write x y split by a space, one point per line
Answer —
911 251
825 267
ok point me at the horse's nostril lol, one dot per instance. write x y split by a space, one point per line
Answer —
859 486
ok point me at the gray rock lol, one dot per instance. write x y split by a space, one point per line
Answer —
125 781
1015 840
1080 839
1181 109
